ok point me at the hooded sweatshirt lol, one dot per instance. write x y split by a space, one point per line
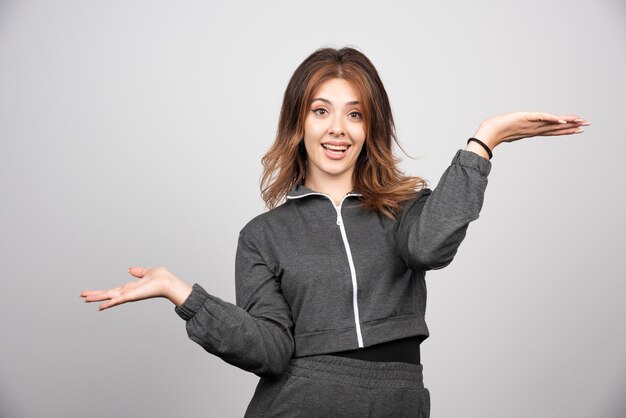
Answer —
315 278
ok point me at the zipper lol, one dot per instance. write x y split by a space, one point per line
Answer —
344 237
352 273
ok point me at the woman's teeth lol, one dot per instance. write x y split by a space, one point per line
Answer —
335 149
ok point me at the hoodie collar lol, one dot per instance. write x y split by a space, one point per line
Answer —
300 190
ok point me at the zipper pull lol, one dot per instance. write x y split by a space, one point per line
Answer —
339 220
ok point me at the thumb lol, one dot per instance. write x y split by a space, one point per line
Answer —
138 271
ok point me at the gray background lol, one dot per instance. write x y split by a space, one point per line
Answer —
131 133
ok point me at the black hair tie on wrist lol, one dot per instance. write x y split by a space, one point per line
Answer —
483 145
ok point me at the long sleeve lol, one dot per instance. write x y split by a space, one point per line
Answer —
432 226
254 335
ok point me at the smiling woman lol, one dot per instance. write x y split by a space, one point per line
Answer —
334 134
330 282
338 96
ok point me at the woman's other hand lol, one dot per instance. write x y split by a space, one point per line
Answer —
509 127
152 283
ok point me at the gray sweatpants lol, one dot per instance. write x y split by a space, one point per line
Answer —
330 386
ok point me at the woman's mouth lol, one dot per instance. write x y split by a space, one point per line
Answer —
335 150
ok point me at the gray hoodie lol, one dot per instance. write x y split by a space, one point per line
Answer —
314 278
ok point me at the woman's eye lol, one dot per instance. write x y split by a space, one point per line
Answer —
356 115
320 111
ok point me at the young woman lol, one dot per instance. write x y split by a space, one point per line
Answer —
330 281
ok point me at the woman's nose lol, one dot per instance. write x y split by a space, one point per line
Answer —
336 129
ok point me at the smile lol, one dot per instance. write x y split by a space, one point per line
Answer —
335 149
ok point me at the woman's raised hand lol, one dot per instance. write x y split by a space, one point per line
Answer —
152 283
509 127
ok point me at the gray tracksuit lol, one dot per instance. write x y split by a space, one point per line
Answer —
314 278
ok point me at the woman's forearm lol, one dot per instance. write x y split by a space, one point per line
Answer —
431 229
261 344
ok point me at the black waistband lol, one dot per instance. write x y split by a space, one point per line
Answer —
406 350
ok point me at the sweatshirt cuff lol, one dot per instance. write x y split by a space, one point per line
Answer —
469 159
193 303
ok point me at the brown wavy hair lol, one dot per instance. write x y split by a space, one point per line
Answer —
376 175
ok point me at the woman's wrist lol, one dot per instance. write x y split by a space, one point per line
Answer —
487 136
178 291
476 148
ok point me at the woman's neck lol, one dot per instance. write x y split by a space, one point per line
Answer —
336 189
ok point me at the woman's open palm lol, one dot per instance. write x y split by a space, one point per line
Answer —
152 283
509 127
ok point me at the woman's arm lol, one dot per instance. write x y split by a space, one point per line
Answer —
254 335
431 227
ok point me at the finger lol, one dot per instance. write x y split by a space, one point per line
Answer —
571 118
546 117
89 292
578 120
575 120
107 294
138 271
113 302
97 297
569 131
566 131
562 119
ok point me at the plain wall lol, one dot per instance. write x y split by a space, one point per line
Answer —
131 134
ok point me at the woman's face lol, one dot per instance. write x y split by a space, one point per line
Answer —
334 132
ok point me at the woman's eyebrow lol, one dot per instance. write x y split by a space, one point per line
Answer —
350 103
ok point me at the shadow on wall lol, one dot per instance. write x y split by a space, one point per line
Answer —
617 406
7 406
